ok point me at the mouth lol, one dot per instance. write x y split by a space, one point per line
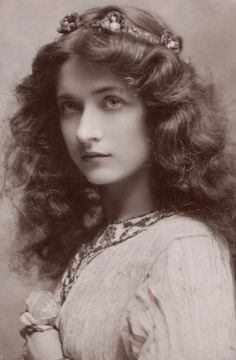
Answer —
93 155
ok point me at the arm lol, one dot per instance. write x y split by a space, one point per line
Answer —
43 346
185 309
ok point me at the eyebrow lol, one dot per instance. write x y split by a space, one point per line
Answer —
107 88
95 92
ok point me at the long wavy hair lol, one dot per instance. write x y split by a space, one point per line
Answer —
57 208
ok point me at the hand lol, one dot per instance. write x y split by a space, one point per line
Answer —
44 345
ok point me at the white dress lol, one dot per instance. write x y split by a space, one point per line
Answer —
164 293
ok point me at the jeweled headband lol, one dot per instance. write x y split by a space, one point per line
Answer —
115 22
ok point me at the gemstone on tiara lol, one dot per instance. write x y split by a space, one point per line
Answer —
171 41
69 23
114 21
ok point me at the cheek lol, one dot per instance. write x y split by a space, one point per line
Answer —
139 151
68 133
135 144
70 140
137 135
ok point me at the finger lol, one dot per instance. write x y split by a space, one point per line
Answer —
25 352
27 319
23 332
26 331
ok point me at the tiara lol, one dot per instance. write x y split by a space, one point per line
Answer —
116 22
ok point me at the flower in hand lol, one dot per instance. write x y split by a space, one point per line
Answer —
41 311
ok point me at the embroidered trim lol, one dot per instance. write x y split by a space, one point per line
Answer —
112 235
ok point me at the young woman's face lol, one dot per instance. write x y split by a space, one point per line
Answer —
102 122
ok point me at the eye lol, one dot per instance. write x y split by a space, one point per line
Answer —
69 107
112 102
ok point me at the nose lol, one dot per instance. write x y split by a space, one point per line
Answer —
89 127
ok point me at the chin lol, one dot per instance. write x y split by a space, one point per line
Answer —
101 180
104 178
110 177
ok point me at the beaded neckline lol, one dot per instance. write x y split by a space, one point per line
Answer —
112 234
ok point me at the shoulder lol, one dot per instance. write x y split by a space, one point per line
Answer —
175 229
191 252
186 243
182 225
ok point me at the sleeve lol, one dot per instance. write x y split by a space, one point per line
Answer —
185 308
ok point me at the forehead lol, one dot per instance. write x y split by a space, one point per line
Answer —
77 76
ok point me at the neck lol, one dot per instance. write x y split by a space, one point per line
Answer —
130 198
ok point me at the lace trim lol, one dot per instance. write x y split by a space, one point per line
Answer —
113 234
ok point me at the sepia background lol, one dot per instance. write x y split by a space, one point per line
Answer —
208 29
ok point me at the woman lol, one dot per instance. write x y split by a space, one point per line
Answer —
119 150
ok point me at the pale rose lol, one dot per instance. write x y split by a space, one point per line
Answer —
43 306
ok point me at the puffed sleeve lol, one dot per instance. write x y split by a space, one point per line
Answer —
185 308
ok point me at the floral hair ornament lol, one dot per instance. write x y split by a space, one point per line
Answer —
69 23
116 22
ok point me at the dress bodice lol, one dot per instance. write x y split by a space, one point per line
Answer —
164 293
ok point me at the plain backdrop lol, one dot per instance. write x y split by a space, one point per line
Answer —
208 29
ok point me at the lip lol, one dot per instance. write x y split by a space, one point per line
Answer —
93 155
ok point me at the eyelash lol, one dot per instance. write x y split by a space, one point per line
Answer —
119 101
70 107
